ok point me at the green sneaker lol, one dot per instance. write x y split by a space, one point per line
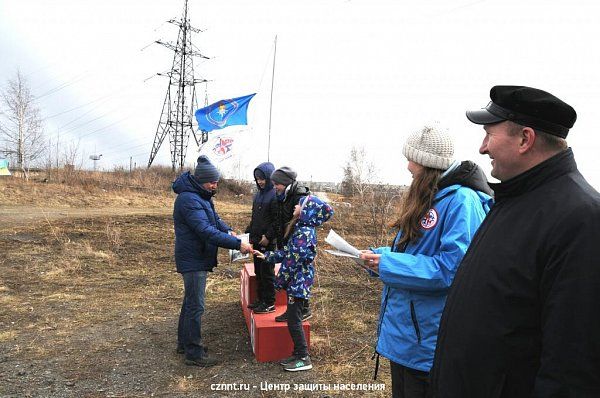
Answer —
298 364
287 360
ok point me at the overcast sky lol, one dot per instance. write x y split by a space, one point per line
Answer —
348 73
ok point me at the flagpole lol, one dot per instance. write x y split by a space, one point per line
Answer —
271 103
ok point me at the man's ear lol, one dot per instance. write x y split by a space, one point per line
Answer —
527 139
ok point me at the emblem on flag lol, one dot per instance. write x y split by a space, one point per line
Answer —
223 146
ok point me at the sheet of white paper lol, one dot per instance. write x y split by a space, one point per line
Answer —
345 249
235 255
339 243
339 253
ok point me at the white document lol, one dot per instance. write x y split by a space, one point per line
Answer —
235 255
345 249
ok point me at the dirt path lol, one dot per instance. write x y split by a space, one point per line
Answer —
22 215
89 305
323 196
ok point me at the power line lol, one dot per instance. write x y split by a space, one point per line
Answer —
105 127
59 87
77 107
83 124
137 139
132 156
125 149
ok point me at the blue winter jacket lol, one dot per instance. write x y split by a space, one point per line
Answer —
198 229
297 271
416 281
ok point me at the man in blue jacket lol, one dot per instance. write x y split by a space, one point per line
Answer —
199 232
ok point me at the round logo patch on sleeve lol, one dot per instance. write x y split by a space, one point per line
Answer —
430 220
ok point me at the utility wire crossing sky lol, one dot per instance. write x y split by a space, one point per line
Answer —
349 73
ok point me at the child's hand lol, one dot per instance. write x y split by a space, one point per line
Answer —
258 254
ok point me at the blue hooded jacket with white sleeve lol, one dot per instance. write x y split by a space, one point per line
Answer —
417 280
297 271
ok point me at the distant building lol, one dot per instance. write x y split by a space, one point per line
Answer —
317 186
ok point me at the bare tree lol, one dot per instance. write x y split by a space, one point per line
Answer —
381 203
20 124
377 202
359 173
71 167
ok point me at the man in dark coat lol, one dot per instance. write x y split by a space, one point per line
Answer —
288 193
199 232
522 318
263 236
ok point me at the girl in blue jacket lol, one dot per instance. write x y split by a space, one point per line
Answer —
445 204
297 272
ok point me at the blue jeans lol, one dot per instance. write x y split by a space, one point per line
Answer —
189 333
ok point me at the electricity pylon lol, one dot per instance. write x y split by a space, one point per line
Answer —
177 117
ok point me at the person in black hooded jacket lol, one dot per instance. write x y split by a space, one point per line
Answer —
263 237
521 319
288 192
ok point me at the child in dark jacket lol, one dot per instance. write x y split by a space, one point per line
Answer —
297 271
262 232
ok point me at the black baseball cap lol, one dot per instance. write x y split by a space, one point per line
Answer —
529 107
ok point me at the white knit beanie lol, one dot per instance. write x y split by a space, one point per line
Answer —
430 147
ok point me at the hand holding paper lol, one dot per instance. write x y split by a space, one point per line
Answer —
371 260
245 249
345 249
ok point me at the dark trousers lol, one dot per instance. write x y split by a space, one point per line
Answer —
305 306
294 322
409 383
265 280
190 318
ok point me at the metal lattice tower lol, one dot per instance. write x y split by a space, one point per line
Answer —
177 117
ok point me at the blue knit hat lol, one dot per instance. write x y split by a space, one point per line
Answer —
206 171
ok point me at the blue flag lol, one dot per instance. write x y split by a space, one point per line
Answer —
229 112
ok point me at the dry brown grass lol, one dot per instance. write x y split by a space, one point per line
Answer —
88 306
86 189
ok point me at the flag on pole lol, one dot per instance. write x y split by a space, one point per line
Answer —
223 113
219 147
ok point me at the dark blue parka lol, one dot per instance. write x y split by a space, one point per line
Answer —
264 209
198 229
